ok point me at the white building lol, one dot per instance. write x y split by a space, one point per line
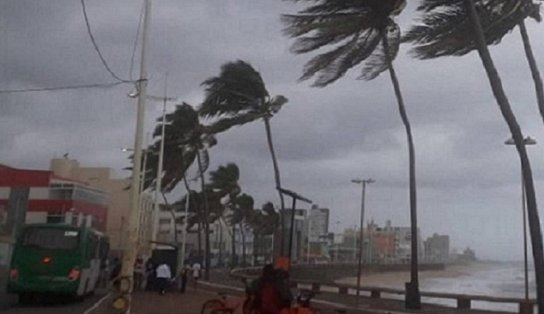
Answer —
318 223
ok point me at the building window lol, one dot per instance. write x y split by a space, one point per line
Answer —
164 221
55 218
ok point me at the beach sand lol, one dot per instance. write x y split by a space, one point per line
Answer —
398 278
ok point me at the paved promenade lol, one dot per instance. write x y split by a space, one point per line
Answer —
191 302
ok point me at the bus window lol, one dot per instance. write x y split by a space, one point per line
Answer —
51 239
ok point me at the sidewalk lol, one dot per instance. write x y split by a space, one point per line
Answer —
191 303
151 302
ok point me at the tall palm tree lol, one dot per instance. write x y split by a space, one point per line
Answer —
238 94
445 21
358 32
498 18
224 182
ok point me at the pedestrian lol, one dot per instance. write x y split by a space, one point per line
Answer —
184 277
150 275
139 273
196 273
116 271
163 277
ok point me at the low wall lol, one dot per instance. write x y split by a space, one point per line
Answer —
328 273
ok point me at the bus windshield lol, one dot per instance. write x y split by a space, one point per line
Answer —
52 239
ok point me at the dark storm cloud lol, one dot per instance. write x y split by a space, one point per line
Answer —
323 137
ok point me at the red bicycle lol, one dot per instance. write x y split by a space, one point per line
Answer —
226 305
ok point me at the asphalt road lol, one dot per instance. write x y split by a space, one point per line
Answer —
5 299
53 305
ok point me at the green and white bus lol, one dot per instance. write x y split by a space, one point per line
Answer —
57 259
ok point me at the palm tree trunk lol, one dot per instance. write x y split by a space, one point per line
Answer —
256 239
509 117
413 297
277 179
220 257
206 222
534 68
242 232
233 258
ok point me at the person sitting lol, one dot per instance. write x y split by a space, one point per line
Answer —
271 292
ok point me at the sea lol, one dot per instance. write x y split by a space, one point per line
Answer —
499 279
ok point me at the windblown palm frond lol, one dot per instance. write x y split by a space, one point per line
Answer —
446 30
239 87
224 180
354 30
184 137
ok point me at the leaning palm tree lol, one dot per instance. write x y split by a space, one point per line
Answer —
264 223
224 182
498 18
358 32
238 95
186 141
241 214
445 22
198 217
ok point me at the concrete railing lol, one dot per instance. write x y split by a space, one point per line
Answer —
464 301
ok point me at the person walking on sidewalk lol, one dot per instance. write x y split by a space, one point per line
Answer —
184 277
163 277
196 273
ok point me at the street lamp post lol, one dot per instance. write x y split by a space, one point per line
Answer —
363 183
130 251
526 141
309 235
336 241
354 257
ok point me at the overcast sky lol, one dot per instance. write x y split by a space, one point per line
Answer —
468 180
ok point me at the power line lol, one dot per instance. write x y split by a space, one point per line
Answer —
96 46
55 88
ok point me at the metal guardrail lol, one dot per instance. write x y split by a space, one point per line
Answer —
463 300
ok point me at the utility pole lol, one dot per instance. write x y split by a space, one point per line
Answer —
123 302
361 242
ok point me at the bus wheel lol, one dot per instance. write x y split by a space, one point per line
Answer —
26 298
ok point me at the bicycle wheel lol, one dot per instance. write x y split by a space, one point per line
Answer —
247 306
213 306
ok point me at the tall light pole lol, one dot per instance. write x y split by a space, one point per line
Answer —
131 249
354 243
309 234
336 241
363 183
526 141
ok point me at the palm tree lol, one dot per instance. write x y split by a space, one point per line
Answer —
184 137
224 182
498 18
452 18
186 141
197 215
263 222
239 96
358 32
241 213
